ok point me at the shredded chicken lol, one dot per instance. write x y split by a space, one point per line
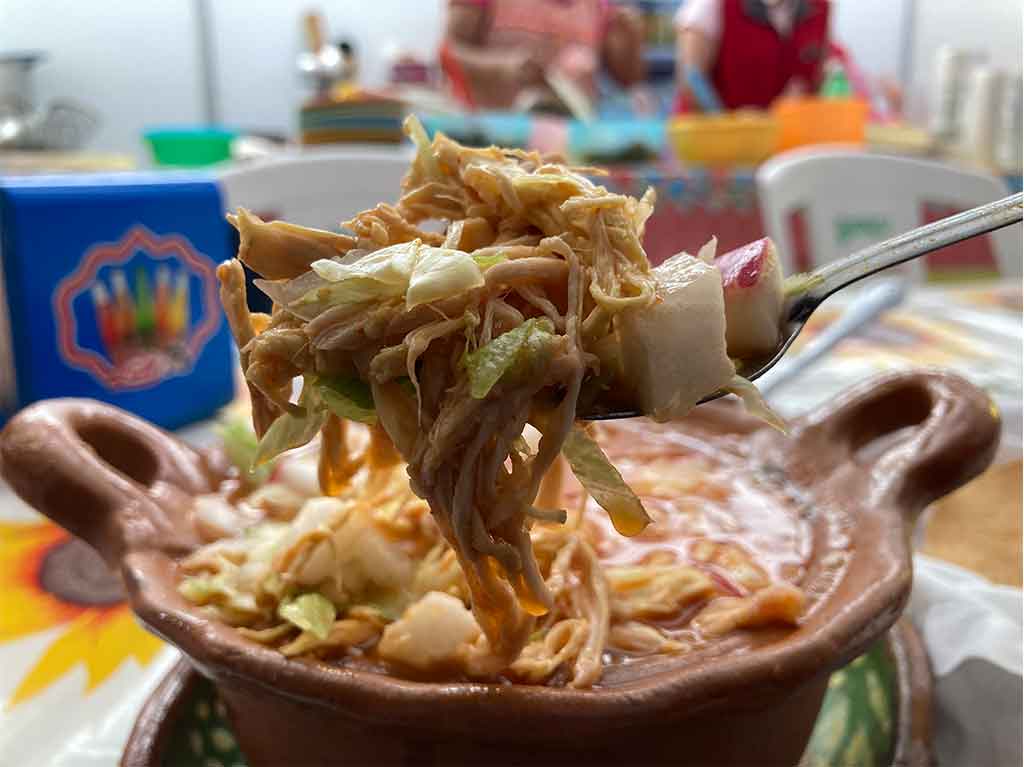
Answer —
240 321
656 591
577 253
375 552
279 250
448 345
779 603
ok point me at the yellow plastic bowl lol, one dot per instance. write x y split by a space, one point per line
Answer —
736 138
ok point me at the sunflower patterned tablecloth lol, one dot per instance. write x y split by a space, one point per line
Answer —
75 667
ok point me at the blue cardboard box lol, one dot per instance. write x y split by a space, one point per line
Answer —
111 293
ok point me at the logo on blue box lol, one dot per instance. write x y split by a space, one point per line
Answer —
112 293
137 311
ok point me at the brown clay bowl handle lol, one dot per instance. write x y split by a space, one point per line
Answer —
920 435
107 476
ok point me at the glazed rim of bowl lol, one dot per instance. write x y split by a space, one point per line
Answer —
851 604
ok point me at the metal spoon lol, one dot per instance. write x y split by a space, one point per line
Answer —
827 279
865 309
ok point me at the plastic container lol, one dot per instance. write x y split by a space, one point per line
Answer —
190 147
1009 130
820 121
481 128
979 119
616 141
735 138
899 138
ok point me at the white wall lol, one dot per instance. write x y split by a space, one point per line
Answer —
258 41
874 32
133 62
989 27
138 66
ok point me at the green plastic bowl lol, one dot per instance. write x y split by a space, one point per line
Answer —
190 147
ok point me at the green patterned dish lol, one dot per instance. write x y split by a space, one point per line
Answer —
875 714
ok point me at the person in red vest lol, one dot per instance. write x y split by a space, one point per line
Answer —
751 51
497 50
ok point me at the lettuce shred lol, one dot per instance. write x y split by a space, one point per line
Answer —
293 429
419 273
440 273
202 589
348 398
509 351
311 612
604 483
754 402
241 446
485 262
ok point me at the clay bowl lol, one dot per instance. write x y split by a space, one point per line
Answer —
867 464
184 724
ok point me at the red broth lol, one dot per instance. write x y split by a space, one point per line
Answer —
700 497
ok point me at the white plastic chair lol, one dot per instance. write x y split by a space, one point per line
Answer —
319 187
851 199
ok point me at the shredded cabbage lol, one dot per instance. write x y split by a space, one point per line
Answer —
355 290
311 612
510 350
421 273
391 265
424 152
754 402
201 589
440 273
292 429
219 591
604 483
485 261
388 604
377 276
348 398
241 446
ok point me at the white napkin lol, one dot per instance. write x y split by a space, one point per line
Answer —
972 629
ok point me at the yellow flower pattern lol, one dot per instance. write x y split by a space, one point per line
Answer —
48 580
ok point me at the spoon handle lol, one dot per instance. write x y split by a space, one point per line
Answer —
827 279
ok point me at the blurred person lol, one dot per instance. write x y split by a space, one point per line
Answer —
751 52
498 53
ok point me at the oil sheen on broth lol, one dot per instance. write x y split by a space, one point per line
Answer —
745 528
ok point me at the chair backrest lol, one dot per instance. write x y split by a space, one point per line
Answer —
318 188
849 199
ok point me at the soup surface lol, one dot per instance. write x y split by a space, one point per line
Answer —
365 578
